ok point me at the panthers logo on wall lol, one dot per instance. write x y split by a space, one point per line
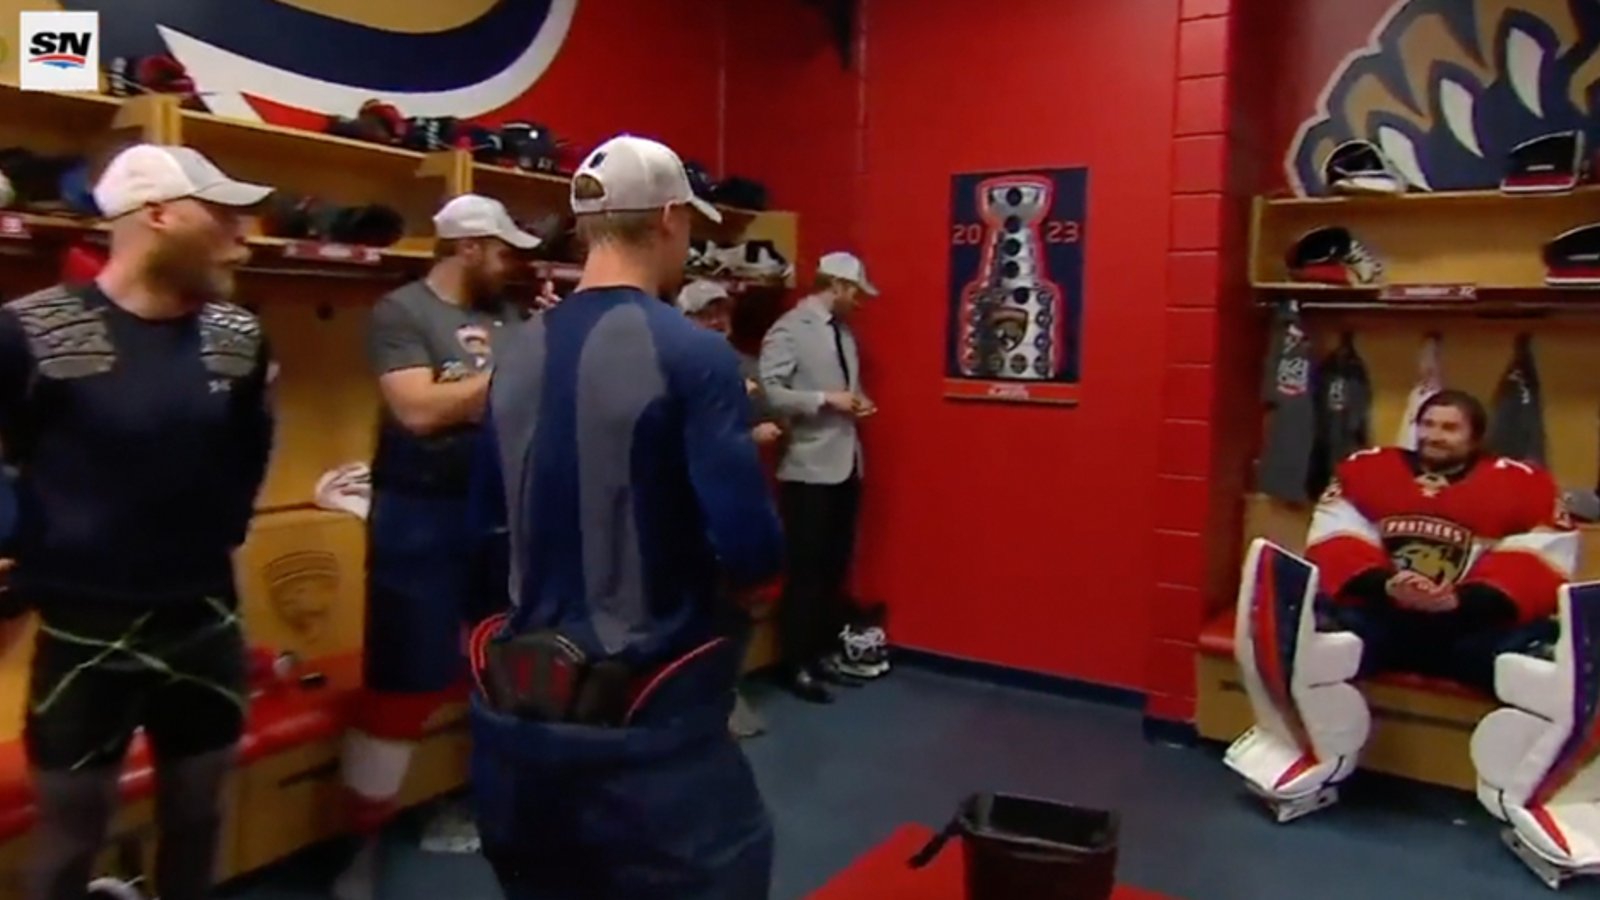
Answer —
303 587
460 58
1447 87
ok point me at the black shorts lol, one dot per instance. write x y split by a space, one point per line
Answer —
100 673
1399 641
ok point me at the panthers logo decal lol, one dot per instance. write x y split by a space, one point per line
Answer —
303 587
1447 87
464 58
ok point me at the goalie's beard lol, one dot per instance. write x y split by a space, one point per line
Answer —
1433 459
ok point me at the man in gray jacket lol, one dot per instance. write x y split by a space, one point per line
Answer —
811 372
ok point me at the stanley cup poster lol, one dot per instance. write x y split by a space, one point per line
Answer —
1016 286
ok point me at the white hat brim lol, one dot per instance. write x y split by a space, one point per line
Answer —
237 194
706 209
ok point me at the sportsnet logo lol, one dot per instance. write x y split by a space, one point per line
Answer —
61 51
64 50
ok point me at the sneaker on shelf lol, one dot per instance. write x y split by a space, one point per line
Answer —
744 721
112 889
757 260
704 258
877 654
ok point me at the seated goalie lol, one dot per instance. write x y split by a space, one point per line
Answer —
1434 561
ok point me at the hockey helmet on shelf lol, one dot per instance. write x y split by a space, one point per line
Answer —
1332 255
1548 164
1359 167
1573 258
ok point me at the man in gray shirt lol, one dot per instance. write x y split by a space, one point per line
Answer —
431 348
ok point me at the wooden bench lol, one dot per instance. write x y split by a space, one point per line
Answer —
1422 727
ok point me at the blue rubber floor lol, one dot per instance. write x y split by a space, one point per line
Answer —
839 778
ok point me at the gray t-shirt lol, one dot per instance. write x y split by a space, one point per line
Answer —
412 327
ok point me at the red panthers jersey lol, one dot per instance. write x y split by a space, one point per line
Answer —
1500 523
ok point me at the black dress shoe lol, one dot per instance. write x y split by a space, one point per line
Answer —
829 671
806 686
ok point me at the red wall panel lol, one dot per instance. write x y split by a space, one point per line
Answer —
1047 521
1016 535
643 66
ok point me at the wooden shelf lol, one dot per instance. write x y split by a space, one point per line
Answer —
1483 238
569 272
331 168
1453 199
531 194
1483 300
44 233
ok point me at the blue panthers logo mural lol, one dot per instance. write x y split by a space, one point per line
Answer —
462 58
1447 87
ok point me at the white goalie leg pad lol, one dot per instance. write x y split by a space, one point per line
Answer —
1311 722
1538 759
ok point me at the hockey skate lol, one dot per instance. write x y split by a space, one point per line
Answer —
1538 758
1311 722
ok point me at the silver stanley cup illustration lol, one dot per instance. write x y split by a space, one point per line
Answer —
1012 316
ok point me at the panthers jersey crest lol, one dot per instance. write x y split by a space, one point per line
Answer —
1446 88
1434 548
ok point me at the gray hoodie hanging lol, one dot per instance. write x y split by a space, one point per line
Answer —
1516 426
1291 426
1344 411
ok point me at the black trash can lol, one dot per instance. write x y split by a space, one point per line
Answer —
1025 847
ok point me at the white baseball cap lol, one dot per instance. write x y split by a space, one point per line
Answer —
636 175
699 294
846 267
156 173
476 216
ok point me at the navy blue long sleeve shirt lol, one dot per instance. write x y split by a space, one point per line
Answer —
140 445
618 463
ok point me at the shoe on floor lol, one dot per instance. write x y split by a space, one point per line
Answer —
807 687
863 652
452 830
837 670
745 722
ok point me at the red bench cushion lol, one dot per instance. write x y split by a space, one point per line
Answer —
1216 639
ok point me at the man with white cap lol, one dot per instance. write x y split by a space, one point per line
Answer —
431 347
708 304
136 409
618 459
811 371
